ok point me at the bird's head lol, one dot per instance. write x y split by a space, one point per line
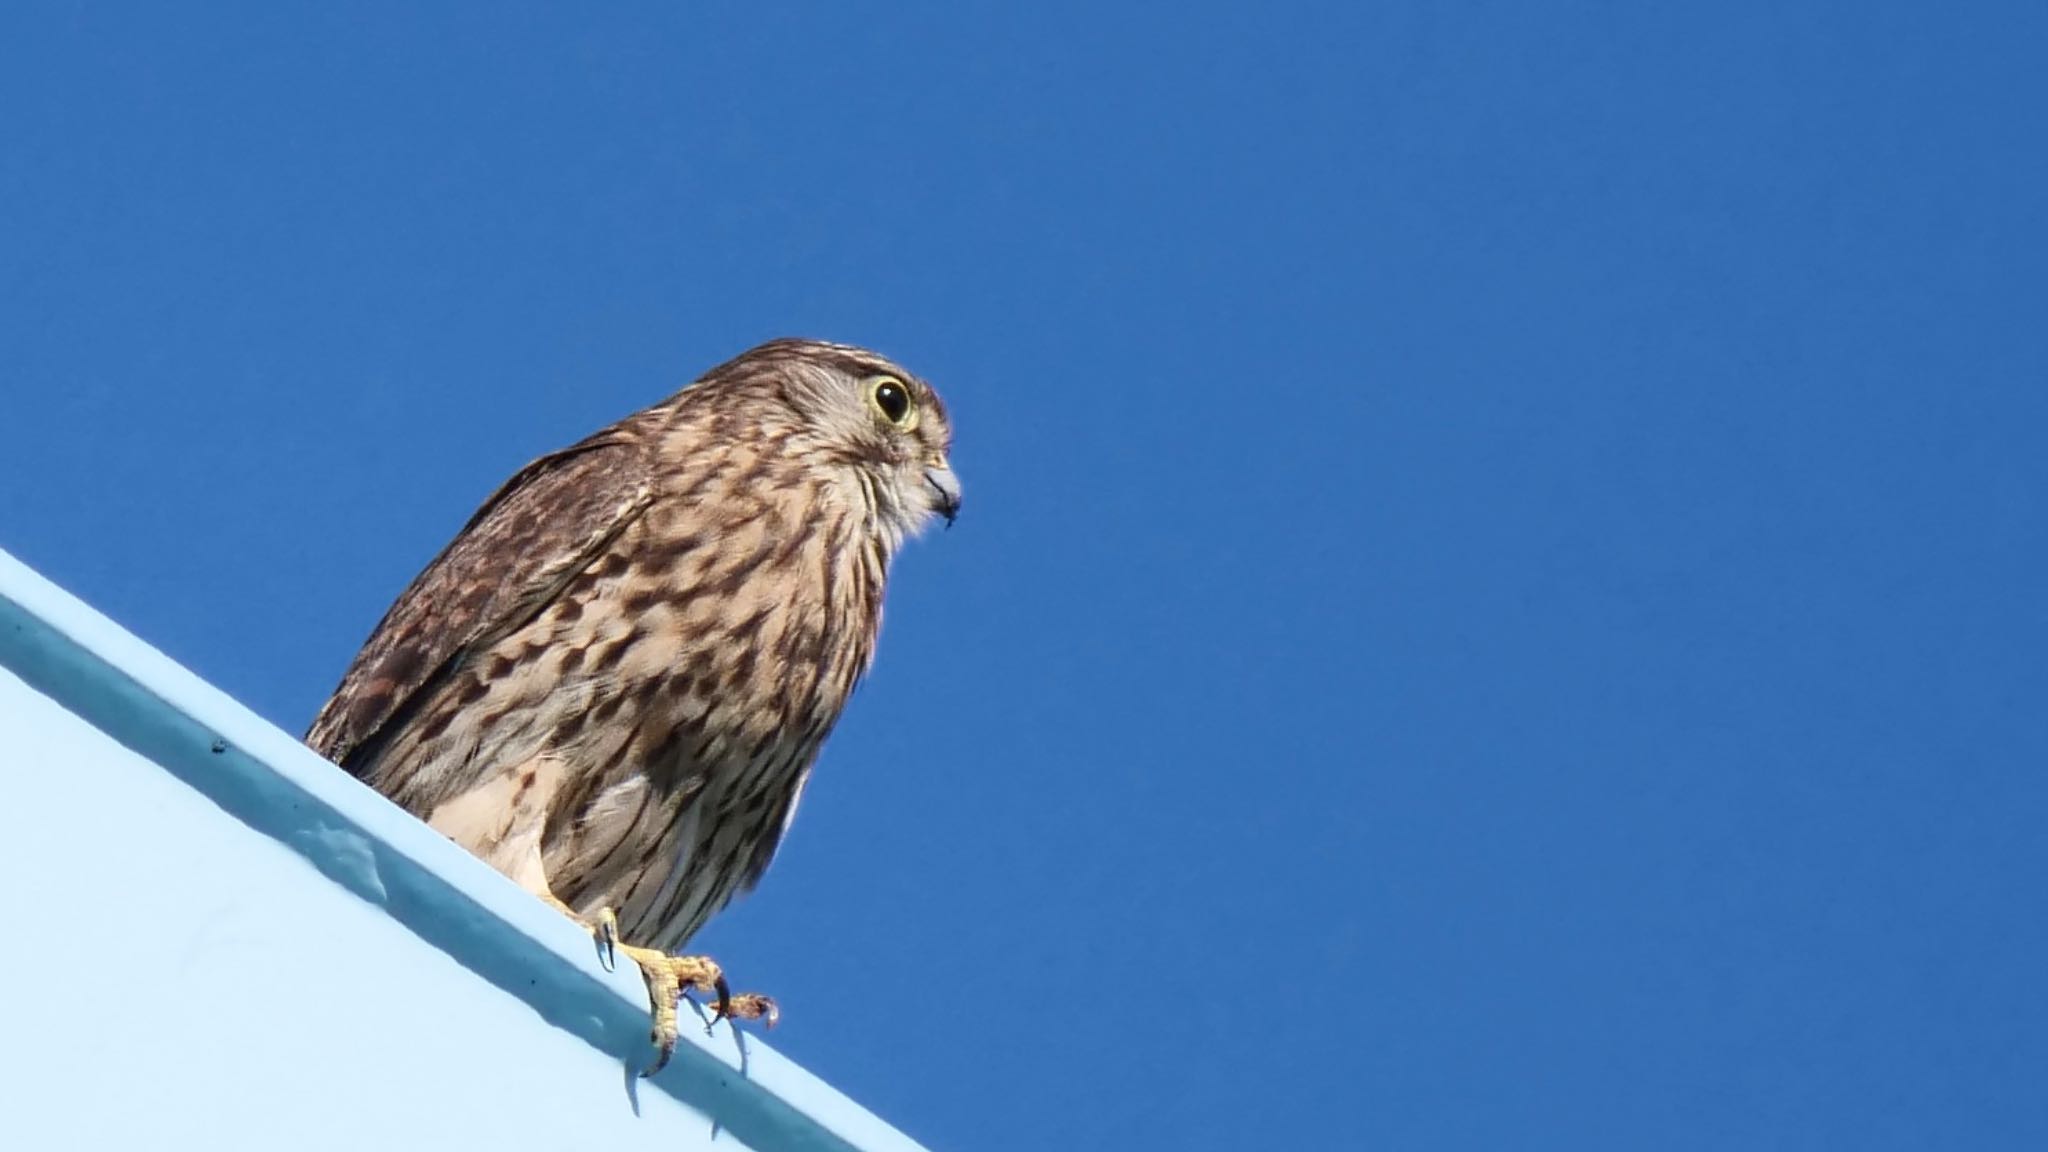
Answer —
858 410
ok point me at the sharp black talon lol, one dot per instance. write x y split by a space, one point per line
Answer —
660 1058
723 1011
607 950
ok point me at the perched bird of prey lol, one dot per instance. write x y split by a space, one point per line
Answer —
612 684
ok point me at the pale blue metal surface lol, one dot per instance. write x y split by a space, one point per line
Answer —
217 936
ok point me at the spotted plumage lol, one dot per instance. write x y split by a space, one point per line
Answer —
612 684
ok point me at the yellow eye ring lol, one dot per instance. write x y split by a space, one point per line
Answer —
891 398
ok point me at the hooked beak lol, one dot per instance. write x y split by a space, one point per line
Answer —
945 491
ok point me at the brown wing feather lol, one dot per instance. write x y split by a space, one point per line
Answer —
532 536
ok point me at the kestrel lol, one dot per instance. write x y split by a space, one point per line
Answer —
612 684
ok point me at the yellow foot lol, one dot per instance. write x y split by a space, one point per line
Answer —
668 979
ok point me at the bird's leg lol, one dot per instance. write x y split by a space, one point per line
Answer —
668 979
603 928
504 821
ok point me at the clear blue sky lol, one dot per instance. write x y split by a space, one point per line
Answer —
1503 598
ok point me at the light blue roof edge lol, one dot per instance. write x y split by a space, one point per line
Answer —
267 779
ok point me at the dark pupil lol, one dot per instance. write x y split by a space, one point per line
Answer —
894 403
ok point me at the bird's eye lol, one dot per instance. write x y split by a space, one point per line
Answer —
892 398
